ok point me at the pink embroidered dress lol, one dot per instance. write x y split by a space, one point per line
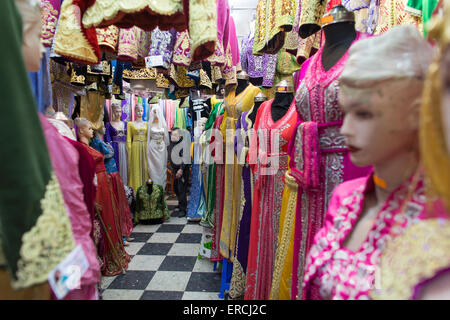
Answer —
267 197
321 159
339 273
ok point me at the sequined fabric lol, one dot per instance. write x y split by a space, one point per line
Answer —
267 197
320 160
340 273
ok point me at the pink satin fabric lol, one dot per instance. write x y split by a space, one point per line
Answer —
64 158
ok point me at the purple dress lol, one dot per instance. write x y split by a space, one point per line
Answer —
259 68
319 159
162 44
238 279
118 140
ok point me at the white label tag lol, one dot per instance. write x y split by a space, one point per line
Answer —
154 61
66 275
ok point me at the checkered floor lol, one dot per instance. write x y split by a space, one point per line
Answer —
165 265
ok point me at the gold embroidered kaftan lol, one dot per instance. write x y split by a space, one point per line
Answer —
234 106
137 154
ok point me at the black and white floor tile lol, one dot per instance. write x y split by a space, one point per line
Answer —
165 265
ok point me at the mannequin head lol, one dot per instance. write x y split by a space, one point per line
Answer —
32 48
155 115
116 112
380 94
139 111
84 129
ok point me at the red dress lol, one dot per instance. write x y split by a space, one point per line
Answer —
126 224
267 195
115 257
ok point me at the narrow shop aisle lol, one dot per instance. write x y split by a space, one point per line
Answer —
164 265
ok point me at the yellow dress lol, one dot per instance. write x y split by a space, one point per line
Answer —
137 154
282 273
234 106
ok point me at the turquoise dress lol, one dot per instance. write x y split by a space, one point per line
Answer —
196 207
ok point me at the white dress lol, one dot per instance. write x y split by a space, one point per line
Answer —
157 143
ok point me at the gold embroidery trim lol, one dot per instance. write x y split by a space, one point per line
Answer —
412 257
140 74
283 244
104 10
48 242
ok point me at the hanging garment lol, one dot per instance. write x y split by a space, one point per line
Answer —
267 196
72 40
273 19
238 278
234 105
282 273
41 85
50 10
182 49
218 203
150 206
131 200
128 44
31 206
65 161
393 13
123 210
423 9
319 144
137 154
108 38
262 67
208 219
117 138
162 45
196 208
115 258
157 143
198 17
232 57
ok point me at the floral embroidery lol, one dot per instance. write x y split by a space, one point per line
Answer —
48 242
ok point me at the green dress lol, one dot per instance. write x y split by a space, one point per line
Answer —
208 219
35 230
423 9
151 206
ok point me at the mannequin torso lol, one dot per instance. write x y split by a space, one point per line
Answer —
254 111
242 84
281 104
338 38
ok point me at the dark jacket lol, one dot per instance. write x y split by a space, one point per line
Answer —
175 166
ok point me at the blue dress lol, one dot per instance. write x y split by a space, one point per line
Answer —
196 207
108 152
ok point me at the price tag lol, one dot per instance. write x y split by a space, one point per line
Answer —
67 274
154 61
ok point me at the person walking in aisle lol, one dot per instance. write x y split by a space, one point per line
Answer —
180 167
